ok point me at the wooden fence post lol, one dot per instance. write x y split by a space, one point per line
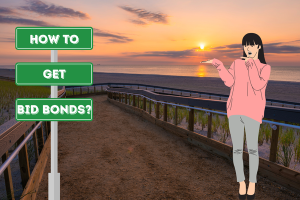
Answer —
23 162
133 100
138 101
119 96
144 106
150 108
165 112
157 110
175 116
94 89
40 138
125 98
35 144
128 99
209 125
8 179
274 143
191 119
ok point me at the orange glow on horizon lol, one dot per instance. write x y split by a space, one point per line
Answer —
201 71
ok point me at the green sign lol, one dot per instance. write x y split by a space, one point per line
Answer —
54 109
54 73
54 38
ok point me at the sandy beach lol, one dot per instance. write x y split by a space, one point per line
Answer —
279 90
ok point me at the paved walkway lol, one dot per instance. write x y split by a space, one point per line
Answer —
121 156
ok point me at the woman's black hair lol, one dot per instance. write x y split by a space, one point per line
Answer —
250 39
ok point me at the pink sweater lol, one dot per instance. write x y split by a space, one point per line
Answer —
248 86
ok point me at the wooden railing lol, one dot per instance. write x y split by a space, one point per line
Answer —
211 102
167 90
17 134
268 168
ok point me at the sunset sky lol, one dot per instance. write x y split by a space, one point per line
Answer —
157 32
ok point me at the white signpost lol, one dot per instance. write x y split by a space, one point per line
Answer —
54 176
64 38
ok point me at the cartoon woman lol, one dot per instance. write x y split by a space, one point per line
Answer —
247 80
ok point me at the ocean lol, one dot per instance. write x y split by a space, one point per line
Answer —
278 73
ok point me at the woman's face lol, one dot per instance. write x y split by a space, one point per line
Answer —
252 50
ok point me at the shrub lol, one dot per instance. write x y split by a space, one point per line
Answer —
297 151
204 120
284 149
268 132
261 136
225 131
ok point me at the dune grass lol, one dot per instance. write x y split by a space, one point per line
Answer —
9 92
288 146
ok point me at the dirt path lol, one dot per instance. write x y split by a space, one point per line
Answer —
121 156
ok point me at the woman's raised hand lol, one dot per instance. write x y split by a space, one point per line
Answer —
208 61
245 58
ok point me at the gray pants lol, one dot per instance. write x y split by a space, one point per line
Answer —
236 126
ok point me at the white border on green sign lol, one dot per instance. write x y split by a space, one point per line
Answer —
54 47
51 63
54 99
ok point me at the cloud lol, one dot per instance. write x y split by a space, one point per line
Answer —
231 51
138 22
52 10
146 15
171 54
293 41
7 40
280 48
4 10
276 47
14 20
113 38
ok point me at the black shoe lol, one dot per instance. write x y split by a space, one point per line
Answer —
243 196
250 197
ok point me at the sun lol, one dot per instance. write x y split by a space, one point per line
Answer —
201 46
